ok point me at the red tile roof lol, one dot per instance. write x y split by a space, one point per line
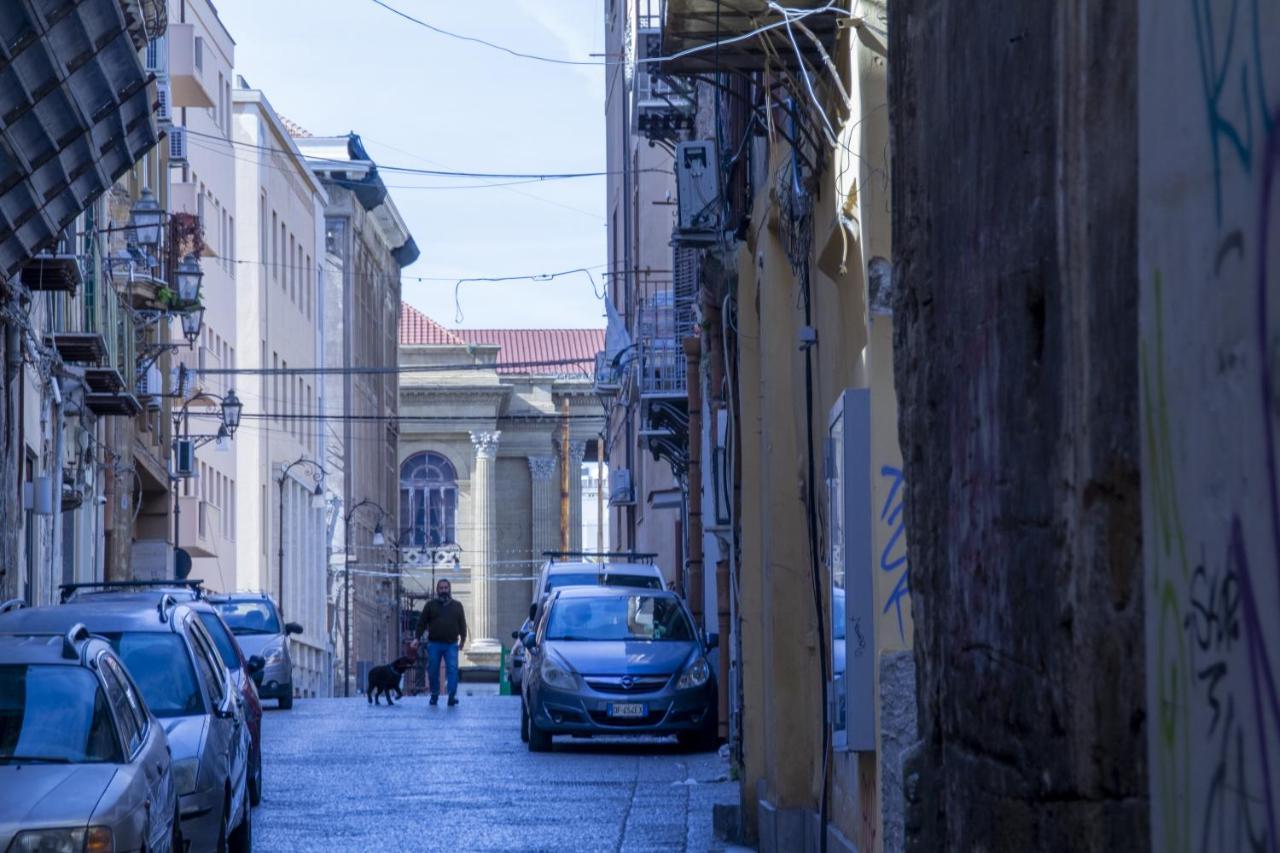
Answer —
417 328
295 130
576 348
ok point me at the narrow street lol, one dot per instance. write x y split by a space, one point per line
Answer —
342 775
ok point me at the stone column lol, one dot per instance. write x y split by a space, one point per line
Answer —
544 527
484 599
577 450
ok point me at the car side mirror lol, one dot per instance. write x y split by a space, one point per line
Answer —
515 635
713 641
227 708
533 611
255 664
292 628
530 641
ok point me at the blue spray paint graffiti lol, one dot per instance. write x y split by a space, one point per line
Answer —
893 557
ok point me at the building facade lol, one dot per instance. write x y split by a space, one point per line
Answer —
488 418
280 444
366 245
781 427
69 332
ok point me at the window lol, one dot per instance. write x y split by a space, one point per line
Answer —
231 243
309 285
207 662
275 384
199 53
275 248
130 731
284 259
293 271
428 501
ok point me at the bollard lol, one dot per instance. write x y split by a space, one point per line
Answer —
504 686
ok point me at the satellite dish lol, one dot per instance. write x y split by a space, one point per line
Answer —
181 563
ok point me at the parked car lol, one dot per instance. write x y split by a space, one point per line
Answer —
173 660
560 571
84 765
241 667
515 660
255 620
611 661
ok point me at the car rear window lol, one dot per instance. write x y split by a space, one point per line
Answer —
619 617
563 579
221 639
162 669
55 714
250 617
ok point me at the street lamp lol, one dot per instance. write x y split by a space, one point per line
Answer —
378 539
231 411
317 502
145 221
192 323
189 275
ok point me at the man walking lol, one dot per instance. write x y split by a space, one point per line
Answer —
445 626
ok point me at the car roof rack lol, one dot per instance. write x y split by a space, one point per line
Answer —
196 585
636 556
13 604
167 602
76 634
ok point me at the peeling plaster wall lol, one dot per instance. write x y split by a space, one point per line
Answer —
1209 152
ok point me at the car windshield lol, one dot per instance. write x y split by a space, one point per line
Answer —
221 639
54 714
622 617
160 665
250 617
563 579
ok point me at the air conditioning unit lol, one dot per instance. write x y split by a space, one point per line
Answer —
621 490
662 111
163 113
697 191
177 145
184 458
154 61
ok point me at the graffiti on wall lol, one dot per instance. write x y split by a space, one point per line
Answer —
893 555
1213 526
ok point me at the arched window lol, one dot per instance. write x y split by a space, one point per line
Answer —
428 501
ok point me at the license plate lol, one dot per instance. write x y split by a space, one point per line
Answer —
627 709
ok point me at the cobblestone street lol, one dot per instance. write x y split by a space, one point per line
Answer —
342 775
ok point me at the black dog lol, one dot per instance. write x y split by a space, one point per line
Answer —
385 680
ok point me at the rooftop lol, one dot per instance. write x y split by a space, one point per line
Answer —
574 349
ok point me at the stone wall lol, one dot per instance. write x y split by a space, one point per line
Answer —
1016 352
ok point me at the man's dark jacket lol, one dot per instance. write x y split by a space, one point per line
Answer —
443 621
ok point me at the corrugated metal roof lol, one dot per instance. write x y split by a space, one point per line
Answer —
417 329
525 345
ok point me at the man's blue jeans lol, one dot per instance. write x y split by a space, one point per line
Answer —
450 653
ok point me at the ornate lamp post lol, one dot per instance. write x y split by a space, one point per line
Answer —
317 502
378 539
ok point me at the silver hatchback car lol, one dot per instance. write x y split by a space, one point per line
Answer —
174 662
84 765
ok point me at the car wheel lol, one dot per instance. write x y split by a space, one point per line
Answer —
539 741
255 780
286 701
241 840
524 722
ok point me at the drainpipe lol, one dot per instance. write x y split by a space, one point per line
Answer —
56 429
693 531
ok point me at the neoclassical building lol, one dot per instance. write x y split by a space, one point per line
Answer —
481 419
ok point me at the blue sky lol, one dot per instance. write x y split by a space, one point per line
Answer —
422 99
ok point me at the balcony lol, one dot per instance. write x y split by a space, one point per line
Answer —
663 319
690 24
187 87
196 525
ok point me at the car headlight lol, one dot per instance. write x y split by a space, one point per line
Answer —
184 775
695 675
558 676
95 839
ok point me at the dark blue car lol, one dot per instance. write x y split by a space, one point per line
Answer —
618 661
